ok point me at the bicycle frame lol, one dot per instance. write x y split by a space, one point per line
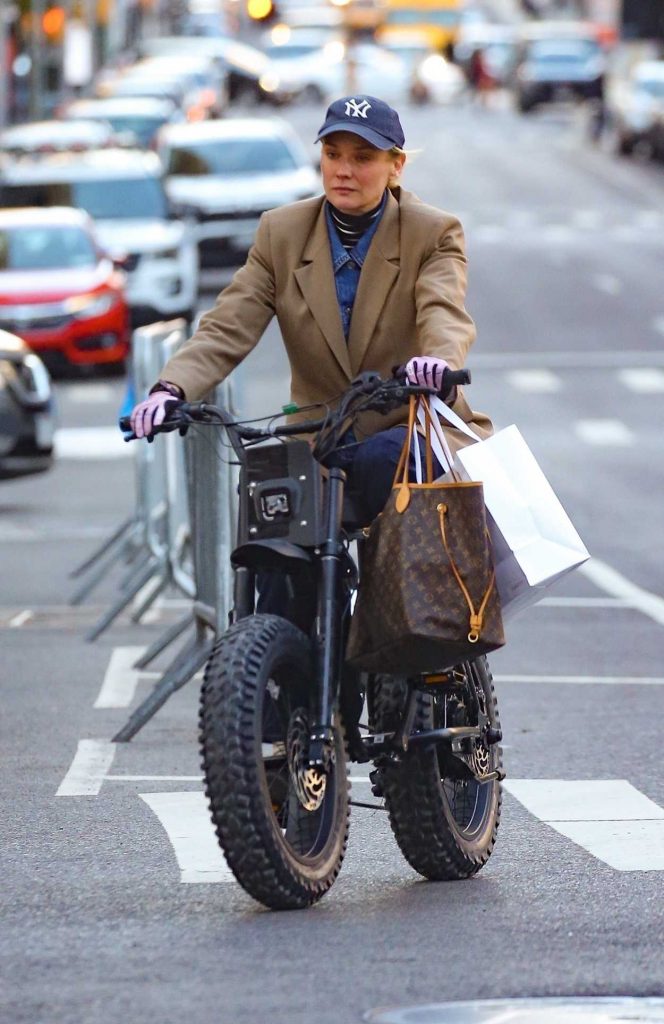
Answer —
291 519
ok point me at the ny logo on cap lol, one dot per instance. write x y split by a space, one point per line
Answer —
355 109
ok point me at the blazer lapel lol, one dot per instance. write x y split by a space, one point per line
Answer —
380 270
315 279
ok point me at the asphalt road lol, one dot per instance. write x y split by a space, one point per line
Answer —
102 922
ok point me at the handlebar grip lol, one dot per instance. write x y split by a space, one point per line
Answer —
455 378
125 424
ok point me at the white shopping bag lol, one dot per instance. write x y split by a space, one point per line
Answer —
534 541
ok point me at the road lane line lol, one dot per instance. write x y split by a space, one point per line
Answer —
121 679
154 778
194 778
88 394
600 360
536 382
617 585
21 619
610 819
582 680
90 443
608 284
611 433
185 818
642 380
92 760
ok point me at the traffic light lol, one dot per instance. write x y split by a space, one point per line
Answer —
53 24
262 10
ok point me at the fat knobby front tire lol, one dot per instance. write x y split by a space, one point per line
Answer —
443 820
282 827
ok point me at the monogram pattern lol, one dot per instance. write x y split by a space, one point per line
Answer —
411 614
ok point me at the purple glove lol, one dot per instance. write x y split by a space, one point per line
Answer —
149 414
427 371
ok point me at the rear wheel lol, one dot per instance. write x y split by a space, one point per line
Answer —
444 820
282 825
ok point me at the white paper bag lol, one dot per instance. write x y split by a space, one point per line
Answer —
534 541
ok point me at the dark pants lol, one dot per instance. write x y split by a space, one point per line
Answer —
370 467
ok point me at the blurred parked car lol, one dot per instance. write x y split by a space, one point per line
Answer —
123 191
243 64
635 109
203 83
55 136
136 118
227 173
27 417
336 69
558 68
59 290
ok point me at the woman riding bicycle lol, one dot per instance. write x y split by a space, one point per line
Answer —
362 278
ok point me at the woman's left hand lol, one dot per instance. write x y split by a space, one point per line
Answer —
427 371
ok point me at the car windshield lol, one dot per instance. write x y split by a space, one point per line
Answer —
40 247
288 50
572 50
231 157
144 128
103 199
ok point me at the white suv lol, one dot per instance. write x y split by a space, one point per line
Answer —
123 192
227 173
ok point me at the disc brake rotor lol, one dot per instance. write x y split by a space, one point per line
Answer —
309 782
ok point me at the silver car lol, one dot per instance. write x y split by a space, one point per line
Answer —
225 174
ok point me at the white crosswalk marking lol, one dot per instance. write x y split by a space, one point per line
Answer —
121 679
534 381
91 443
643 380
88 770
186 819
610 819
609 433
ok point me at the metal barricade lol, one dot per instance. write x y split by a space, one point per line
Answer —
211 486
154 539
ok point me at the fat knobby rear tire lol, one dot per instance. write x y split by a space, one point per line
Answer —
284 856
423 815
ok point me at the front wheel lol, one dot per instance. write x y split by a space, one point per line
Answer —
443 819
282 825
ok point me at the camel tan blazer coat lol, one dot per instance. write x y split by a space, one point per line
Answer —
410 301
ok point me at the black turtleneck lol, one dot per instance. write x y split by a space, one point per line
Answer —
350 227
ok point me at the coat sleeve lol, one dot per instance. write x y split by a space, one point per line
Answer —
444 328
232 328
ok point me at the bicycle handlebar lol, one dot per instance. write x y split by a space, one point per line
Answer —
395 391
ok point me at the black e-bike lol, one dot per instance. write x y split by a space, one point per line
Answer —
279 709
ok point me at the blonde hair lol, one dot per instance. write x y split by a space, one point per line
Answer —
394 151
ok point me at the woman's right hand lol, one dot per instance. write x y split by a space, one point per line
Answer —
151 413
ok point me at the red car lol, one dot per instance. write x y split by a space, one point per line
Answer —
59 291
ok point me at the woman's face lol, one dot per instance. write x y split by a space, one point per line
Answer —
355 173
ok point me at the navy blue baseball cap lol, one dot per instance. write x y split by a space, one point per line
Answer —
370 118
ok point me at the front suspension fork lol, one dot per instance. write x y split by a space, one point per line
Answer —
329 623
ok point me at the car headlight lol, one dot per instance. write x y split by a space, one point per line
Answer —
269 82
85 306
